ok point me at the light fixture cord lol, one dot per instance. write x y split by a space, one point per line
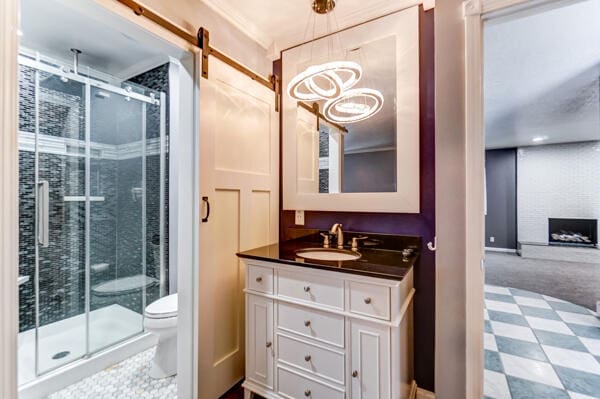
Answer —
306 36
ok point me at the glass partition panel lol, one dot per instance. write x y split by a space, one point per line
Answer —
117 258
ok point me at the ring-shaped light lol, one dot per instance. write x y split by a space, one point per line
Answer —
354 106
335 85
305 86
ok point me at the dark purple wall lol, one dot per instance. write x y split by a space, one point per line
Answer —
422 224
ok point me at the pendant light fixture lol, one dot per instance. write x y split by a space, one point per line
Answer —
354 105
326 81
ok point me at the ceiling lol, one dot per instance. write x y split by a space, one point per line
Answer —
541 78
278 28
108 44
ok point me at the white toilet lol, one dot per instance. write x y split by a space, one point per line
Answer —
161 319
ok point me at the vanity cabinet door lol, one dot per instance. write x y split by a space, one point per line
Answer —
259 340
370 360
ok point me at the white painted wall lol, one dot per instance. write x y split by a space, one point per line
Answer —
450 208
556 181
193 14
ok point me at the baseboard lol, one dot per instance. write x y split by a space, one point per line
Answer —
507 250
424 394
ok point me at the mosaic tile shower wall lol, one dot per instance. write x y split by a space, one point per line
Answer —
115 221
323 153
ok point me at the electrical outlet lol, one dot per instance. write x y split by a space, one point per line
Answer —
492 239
299 218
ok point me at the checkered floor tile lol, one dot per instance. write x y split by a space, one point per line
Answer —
126 380
539 347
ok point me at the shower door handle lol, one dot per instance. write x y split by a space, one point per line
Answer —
43 210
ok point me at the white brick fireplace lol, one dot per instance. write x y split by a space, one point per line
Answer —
556 181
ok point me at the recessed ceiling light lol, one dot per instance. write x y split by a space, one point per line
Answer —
539 139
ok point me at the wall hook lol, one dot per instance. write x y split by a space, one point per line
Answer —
432 245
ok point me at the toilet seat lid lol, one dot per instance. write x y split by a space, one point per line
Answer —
163 307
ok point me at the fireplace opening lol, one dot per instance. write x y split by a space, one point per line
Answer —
573 232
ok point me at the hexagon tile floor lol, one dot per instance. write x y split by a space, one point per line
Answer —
126 380
541 347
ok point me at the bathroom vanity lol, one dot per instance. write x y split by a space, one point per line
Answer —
329 329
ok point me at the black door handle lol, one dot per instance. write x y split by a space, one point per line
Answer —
205 219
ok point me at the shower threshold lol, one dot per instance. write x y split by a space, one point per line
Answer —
62 347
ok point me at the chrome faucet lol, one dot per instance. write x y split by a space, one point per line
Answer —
336 230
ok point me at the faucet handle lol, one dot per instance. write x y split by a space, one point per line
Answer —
326 239
355 241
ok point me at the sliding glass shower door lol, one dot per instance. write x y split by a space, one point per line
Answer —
59 116
86 159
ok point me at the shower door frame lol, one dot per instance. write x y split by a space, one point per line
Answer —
38 65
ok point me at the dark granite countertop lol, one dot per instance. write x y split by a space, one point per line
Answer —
381 255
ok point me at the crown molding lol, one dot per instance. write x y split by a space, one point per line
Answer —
283 39
374 9
428 4
471 8
245 26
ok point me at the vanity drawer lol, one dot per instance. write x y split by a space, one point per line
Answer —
314 324
311 288
312 359
295 386
369 300
260 279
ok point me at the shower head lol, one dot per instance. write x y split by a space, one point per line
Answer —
76 53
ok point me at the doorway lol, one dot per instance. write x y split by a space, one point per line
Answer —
542 142
101 209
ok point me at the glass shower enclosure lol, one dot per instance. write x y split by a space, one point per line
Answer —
92 213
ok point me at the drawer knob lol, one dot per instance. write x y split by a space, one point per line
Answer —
307 393
269 344
258 279
367 300
355 374
307 288
307 323
307 358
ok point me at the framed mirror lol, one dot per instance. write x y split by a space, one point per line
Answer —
353 146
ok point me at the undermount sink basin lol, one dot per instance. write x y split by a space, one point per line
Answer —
329 254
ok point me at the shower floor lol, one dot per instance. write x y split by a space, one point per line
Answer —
64 341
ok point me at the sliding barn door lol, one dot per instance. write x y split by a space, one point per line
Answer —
239 147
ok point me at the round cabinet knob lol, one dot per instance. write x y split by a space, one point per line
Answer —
307 358
307 288
307 393
258 279
367 300
355 374
269 344
307 323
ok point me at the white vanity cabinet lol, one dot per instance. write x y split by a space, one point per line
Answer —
320 334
